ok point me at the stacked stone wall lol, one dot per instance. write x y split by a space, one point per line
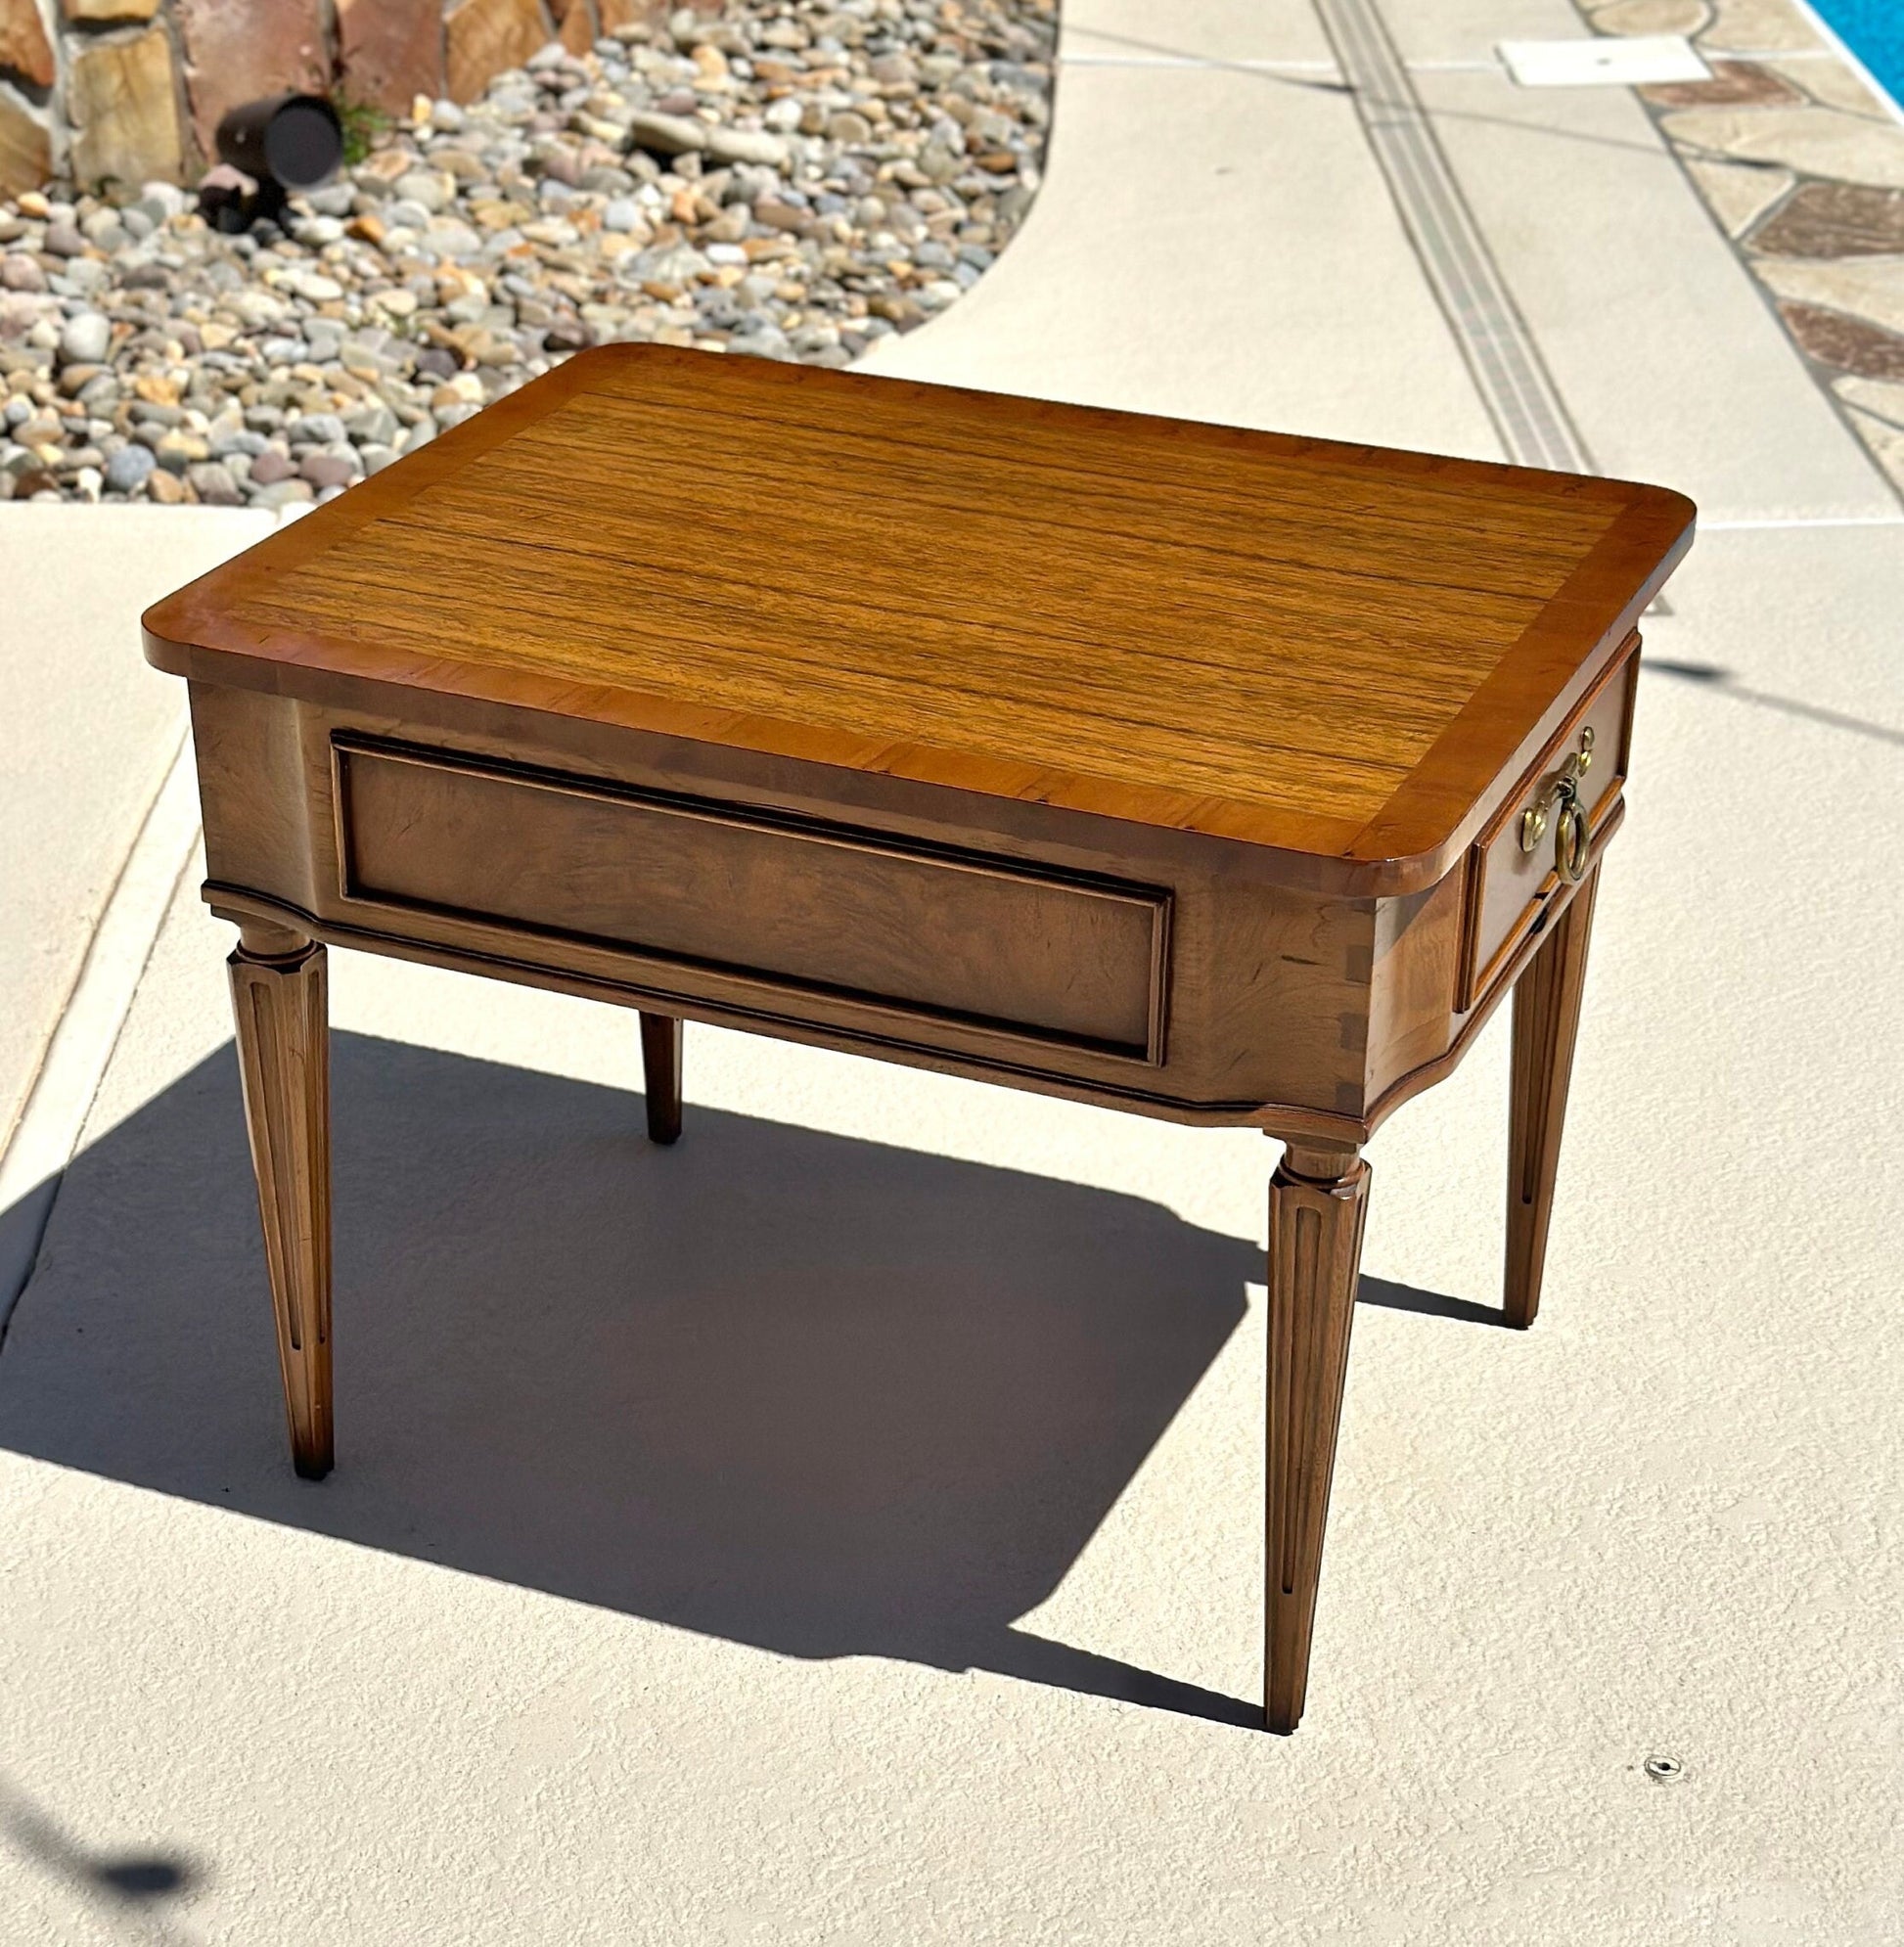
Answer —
97 92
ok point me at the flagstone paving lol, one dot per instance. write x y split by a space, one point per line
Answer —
1803 167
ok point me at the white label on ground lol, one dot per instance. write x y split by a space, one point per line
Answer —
1606 61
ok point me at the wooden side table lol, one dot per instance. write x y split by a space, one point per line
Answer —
1218 775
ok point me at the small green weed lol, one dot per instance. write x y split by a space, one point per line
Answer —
363 122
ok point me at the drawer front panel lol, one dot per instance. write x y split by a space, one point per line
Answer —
803 905
1508 888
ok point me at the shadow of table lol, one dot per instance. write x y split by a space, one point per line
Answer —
820 1395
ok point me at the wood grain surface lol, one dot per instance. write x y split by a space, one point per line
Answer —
1321 648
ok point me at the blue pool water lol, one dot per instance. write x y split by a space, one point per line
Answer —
1874 30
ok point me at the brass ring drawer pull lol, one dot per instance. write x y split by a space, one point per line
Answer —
1561 804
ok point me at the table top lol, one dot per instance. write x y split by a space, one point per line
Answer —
1328 649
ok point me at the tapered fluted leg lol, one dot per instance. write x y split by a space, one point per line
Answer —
1316 1203
1545 1021
279 1006
660 1062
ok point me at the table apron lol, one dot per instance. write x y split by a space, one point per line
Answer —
1164 971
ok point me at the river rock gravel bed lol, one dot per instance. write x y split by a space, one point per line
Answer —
790 181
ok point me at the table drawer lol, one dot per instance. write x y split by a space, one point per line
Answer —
800 905
1508 886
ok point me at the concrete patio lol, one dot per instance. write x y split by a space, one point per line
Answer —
845 1529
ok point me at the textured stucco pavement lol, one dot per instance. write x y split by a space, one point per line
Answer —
90 731
844 1529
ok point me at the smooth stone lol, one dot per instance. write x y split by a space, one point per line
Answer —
466 389
562 168
271 466
177 450
325 470
677 263
256 307
424 188
568 335
452 239
321 429
747 145
666 134
86 338
167 198
279 492
777 215
371 424
128 467
769 343
939 161
214 484
458 164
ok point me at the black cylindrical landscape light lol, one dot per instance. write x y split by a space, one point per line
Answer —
291 139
